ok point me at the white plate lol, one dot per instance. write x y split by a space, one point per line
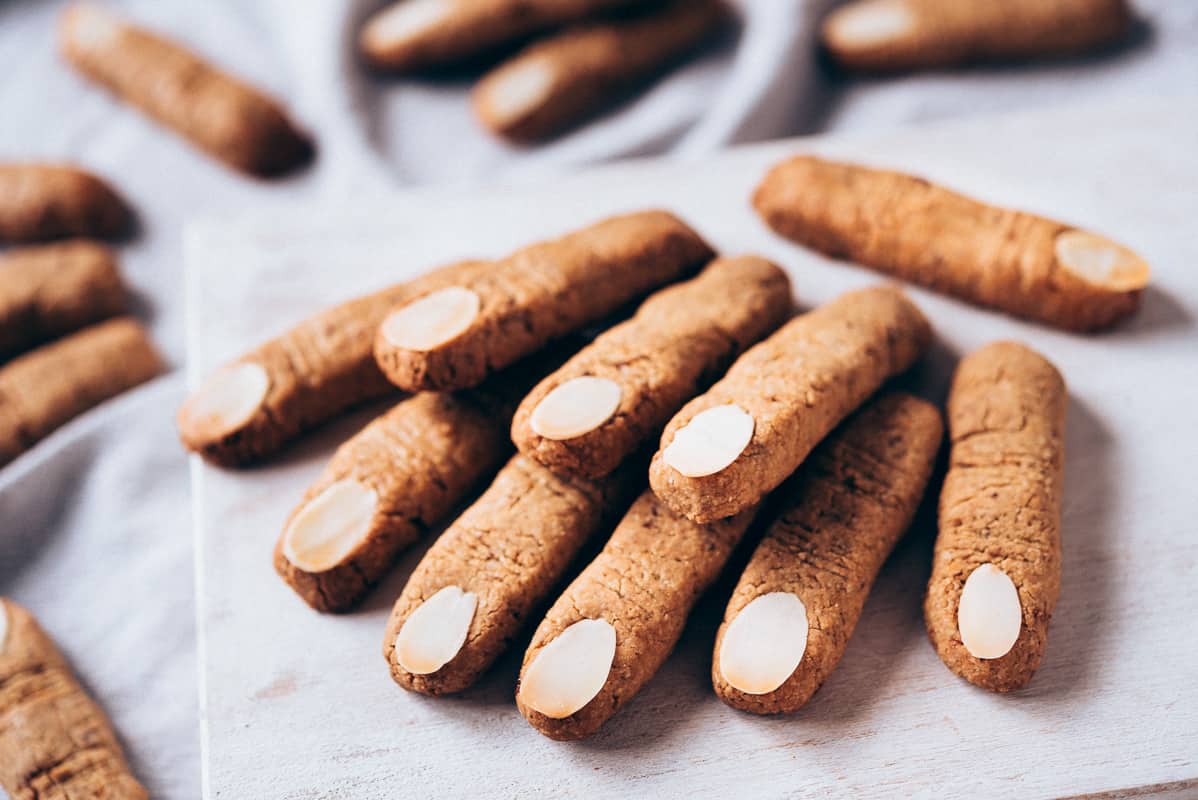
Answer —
297 704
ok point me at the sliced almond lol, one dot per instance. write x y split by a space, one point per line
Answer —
405 21
433 320
870 23
576 407
227 399
3 624
330 526
91 27
434 633
989 616
1100 261
570 670
764 643
710 441
514 91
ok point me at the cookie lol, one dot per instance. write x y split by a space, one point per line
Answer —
596 410
996 571
613 628
52 290
898 35
478 584
726 449
217 113
52 201
562 80
798 600
455 337
48 387
1025 265
55 742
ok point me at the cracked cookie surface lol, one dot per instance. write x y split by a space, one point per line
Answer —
55 742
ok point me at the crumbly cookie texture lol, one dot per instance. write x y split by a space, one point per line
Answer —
52 201
393 481
221 115
1025 265
560 81
455 337
47 387
643 585
896 35
55 742
680 340
414 35
55 289
475 588
798 601
996 571
726 449
250 408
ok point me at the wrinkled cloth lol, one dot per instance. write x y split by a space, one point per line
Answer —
96 536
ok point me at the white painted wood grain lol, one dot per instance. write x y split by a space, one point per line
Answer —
299 705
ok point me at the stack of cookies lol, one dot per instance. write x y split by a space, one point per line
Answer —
628 468
549 64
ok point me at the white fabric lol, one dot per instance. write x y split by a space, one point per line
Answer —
96 535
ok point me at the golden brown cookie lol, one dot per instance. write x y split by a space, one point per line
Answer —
474 590
414 35
51 201
393 481
217 113
728 448
613 628
456 336
55 289
904 226
55 742
996 572
596 410
248 409
796 605
47 387
894 35
562 80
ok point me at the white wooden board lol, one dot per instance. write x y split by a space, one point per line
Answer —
299 705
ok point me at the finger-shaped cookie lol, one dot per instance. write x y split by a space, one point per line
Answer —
47 387
455 337
55 742
586 417
228 119
251 407
893 35
726 449
613 628
419 34
560 81
402 474
904 226
796 605
56 289
996 572
52 201
475 588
